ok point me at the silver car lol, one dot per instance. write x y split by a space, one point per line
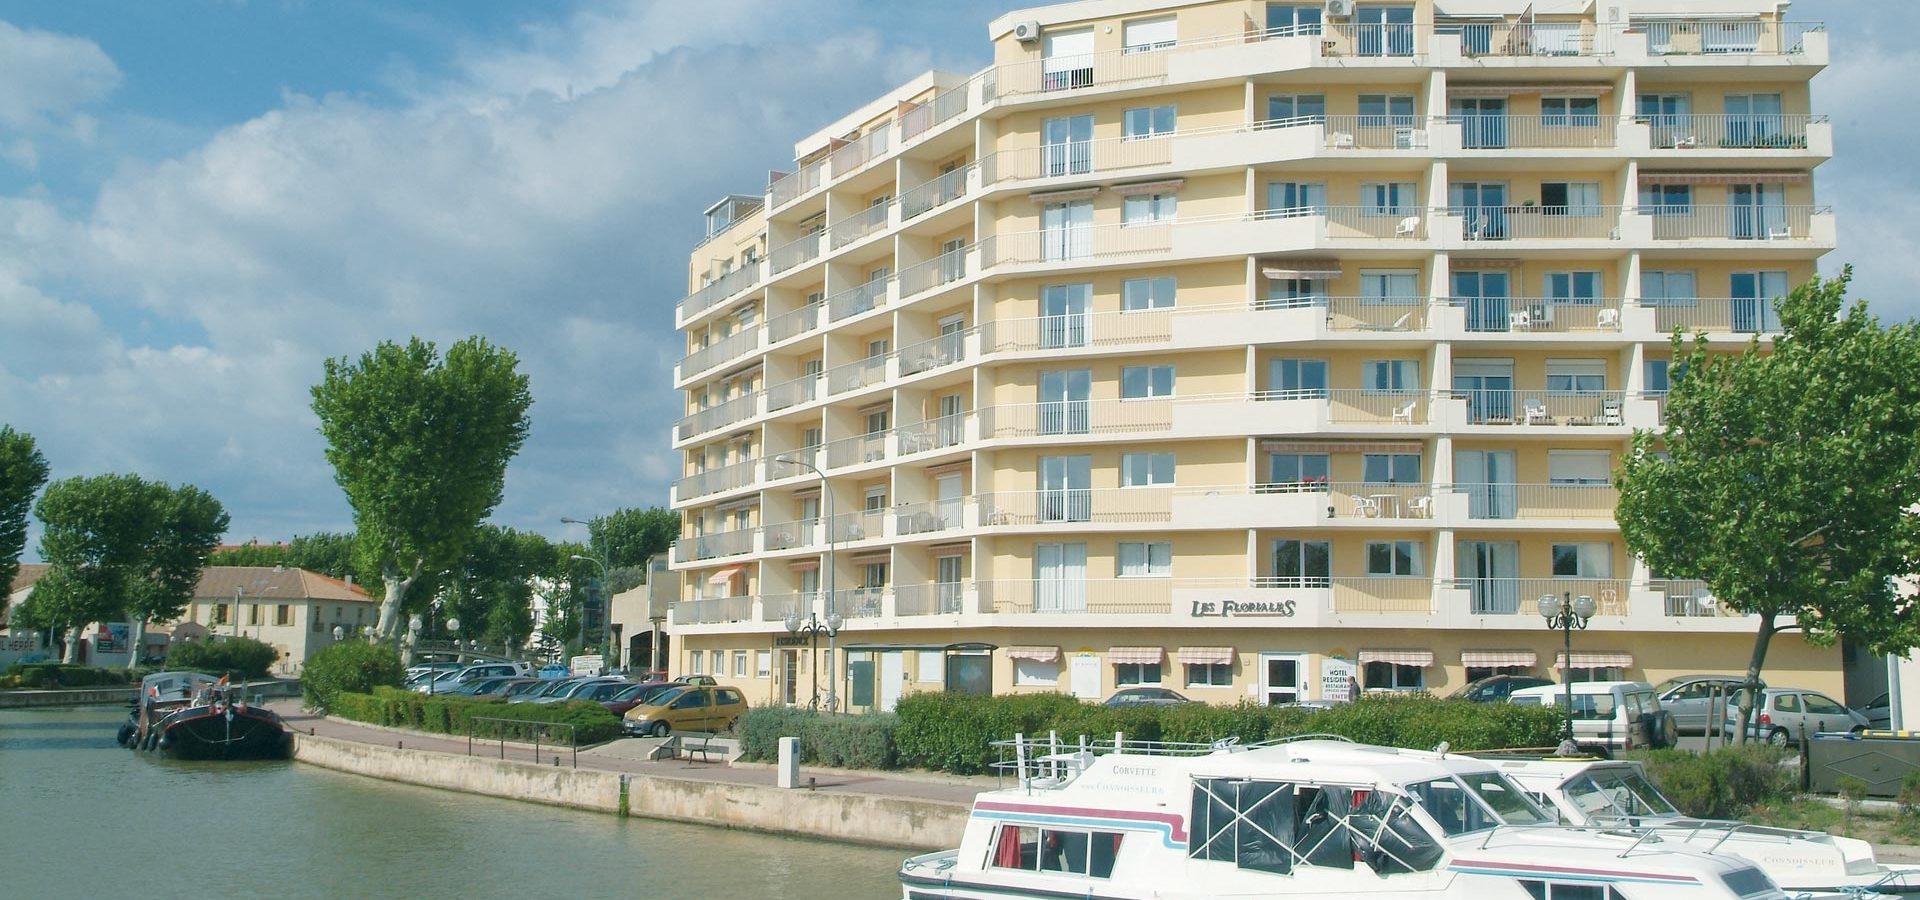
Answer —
1696 700
1788 715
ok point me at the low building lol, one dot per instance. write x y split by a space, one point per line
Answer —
297 611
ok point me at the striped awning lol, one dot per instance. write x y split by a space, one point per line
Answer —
1058 196
1136 655
725 575
1591 660
1305 269
1723 177
1341 446
1419 658
1037 654
1149 187
1494 659
1490 262
1593 89
804 565
1206 656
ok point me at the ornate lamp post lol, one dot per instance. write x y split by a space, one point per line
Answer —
605 607
833 615
812 628
1565 615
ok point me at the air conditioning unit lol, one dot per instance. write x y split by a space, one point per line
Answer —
1028 32
1339 9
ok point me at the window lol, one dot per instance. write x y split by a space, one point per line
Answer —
875 498
1138 294
1390 468
1660 374
696 663
1147 122
1295 293
1580 288
1141 35
876 349
1579 466
1296 198
1146 469
1576 376
314 621
1594 560
877 421
1377 285
739 663
763 664
1297 109
873 575
1753 294
1823 705
1036 849
929 666
1209 674
1666 199
253 614
1148 559
1570 112
1400 198
1393 558
1297 468
1570 198
1378 110
283 614
1475 673
1753 120
1305 564
1142 382
1133 674
1667 288
1386 676
1293 379
1143 209
1391 376
1289 19
1554 890
219 614
1066 59
1036 673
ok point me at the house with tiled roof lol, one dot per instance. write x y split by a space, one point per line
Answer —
12 645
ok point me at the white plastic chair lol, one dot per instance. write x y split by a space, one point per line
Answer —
1610 413
1534 412
1407 227
1609 318
1520 320
1404 412
1421 507
1342 140
1366 506
1779 233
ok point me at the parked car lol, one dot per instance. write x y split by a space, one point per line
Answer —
525 687
583 689
474 688
1879 712
1696 700
555 670
1497 688
689 707
1146 696
448 680
1619 715
696 679
498 688
546 687
1785 716
634 695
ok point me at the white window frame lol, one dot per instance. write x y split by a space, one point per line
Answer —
1592 559
1213 673
739 663
1397 677
1036 673
1389 285
1580 467
930 667
1154 559
1149 292
1582 376
1148 35
1159 382
696 661
1657 287
1391 199
1390 376
1138 673
1149 209
1147 469
1411 553
763 663
1565 116
1160 121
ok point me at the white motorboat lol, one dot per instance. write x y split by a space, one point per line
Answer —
1301 818
1617 793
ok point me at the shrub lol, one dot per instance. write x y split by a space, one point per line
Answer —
1720 784
54 675
354 666
851 742
243 657
448 714
1909 796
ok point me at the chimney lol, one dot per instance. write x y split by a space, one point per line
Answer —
349 580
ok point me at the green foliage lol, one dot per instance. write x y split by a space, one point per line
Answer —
54 675
421 446
1790 475
22 471
120 546
1723 783
244 657
328 553
848 742
448 714
629 537
1909 796
491 591
348 667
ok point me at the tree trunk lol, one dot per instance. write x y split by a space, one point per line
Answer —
137 642
71 655
389 625
1759 659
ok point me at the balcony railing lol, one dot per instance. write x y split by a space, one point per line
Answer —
1528 407
1059 74
934 194
719 415
946 268
1075 595
796 322
713 481
942 108
1539 314
1383 314
1732 223
1521 596
857 226
788 535
1080 242
1076 158
1072 417
720 289
1530 39
1565 131
777 607
1084 329
1540 501
709 546
720 352
1754 131
1536 223
800 181
1713 37
1691 598
1739 316
928 355
1356 406
1374 40
933 434
926 518
854 375
858 152
1379 132
792 393
1385 594
861 448
1071 505
713 611
794 253
938 598
856 300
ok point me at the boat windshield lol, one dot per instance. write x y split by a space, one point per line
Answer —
1478 802
1507 799
1615 793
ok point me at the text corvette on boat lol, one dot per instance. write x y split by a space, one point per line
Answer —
188 715
1616 793
1309 818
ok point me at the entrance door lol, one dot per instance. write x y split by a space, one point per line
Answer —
1083 676
1491 572
1483 121
947 500
1282 678
1484 207
1487 385
1066 230
1484 294
1060 578
1487 476
1063 315
789 676
1068 142
893 676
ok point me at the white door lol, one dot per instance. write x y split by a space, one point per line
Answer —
1283 678
893 676
1060 578
1083 675
947 501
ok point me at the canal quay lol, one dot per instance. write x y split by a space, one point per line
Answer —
83 817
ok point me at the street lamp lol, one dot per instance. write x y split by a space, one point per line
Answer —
604 584
1564 616
833 616
812 628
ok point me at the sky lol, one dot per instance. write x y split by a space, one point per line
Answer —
202 200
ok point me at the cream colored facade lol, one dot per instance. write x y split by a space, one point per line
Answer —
1238 348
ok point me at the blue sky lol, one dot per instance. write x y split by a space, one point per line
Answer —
202 199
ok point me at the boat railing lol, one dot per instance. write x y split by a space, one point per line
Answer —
1642 834
1053 762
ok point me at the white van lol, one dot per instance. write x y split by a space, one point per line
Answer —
1621 715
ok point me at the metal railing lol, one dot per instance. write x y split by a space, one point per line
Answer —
789 187
713 481
860 448
1691 598
1057 74
794 252
857 226
1513 39
1534 223
931 195
934 434
855 375
794 323
1133 505
1151 595
776 607
710 546
1539 314
792 393
1534 407
1351 222
1070 417
1713 37
788 535
856 300
719 415
1751 131
1376 132
1374 40
1384 594
1733 223
858 152
1739 316
524 731
946 268
1085 329
1559 131
713 610
937 598
720 289
720 352
1384 314
927 355
1539 501
1076 158
938 110
1074 243
1357 406
1519 596
925 518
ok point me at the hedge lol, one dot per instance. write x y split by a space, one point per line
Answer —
48 675
954 732
1723 783
244 657
348 666
451 714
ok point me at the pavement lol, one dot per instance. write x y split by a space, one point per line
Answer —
629 755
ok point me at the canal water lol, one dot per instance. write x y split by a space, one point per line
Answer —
82 817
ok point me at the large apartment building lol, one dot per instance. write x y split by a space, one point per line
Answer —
1257 350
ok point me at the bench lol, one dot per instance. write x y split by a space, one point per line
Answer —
684 745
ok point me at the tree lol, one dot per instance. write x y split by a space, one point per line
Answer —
421 447
22 471
328 553
118 545
492 591
626 538
1787 478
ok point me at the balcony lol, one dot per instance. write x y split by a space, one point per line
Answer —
1061 74
713 611
1735 316
1540 501
1716 37
719 290
1354 406
713 481
1387 501
1539 408
856 450
855 375
789 535
857 226
1691 598
939 598
856 153
1530 39
928 355
1565 131
720 352
1070 158
944 106
1764 131
794 323
725 413
1520 596
1376 314
1367 132
933 434
1084 329
1537 315
1106 506
795 253
1538 223
856 300
710 546
792 393
946 268
927 518
1076 417
1077 243
932 195
790 187
1733 223
1080 596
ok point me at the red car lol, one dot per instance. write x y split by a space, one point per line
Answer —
618 704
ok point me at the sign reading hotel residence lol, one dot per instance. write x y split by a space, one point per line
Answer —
1238 609
1336 679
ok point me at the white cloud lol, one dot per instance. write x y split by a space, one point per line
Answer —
45 75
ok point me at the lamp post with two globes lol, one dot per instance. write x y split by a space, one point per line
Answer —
1564 614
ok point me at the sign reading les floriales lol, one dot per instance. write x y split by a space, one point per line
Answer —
1227 609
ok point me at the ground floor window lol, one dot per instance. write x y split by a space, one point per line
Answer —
1209 674
1475 673
928 669
696 663
1386 676
739 663
1036 673
1129 674
763 664
1596 673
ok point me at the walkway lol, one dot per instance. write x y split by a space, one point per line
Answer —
628 755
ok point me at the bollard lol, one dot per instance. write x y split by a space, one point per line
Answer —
789 771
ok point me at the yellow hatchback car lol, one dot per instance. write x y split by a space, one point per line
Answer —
689 708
